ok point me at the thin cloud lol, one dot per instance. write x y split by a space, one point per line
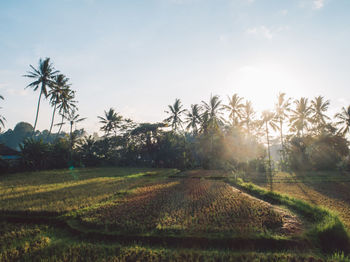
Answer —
284 12
317 4
21 92
260 31
265 32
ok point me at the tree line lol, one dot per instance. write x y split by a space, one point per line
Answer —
211 134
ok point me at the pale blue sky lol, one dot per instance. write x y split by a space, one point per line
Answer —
138 56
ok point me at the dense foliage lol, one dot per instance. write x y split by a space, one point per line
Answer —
297 135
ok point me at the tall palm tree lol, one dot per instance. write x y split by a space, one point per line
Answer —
204 122
344 120
300 117
269 120
43 75
213 110
175 112
234 107
73 118
282 109
65 105
247 115
193 118
318 109
57 93
2 118
110 121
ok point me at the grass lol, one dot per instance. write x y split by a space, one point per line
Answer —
43 243
128 214
329 189
327 229
61 191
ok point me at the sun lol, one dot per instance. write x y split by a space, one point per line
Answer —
261 83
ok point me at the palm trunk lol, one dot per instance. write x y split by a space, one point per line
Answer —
59 130
71 145
282 144
268 151
53 119
37 113
70 134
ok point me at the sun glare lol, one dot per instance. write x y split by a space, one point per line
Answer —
261 83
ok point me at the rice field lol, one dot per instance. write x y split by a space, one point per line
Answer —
62 191
140 214
328 189
188 207
21 242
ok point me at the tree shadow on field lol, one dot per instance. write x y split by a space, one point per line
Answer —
65 199
296 181
338 189
68 175
137 212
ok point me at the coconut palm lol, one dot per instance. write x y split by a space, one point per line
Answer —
73 118
282 109
300 117
175 112
213 111
65 105
318 109
43 75
110 121
204 122
344 120
193 118
247 115
269 120
234 107
57 93
2 118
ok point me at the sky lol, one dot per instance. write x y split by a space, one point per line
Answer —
139 56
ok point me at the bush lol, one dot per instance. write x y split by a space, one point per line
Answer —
35 154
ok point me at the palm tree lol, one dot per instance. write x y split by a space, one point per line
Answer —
57 93
247 115
194 118
268 119
300 116
282 109
43 76
2 118
344 120
235 107
65 105
213 112
73 119
110 122
175 112
318 108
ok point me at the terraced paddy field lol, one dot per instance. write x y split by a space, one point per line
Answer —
135 214
328 189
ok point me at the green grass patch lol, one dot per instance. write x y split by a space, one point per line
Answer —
327 230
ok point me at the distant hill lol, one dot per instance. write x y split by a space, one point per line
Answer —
13 138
